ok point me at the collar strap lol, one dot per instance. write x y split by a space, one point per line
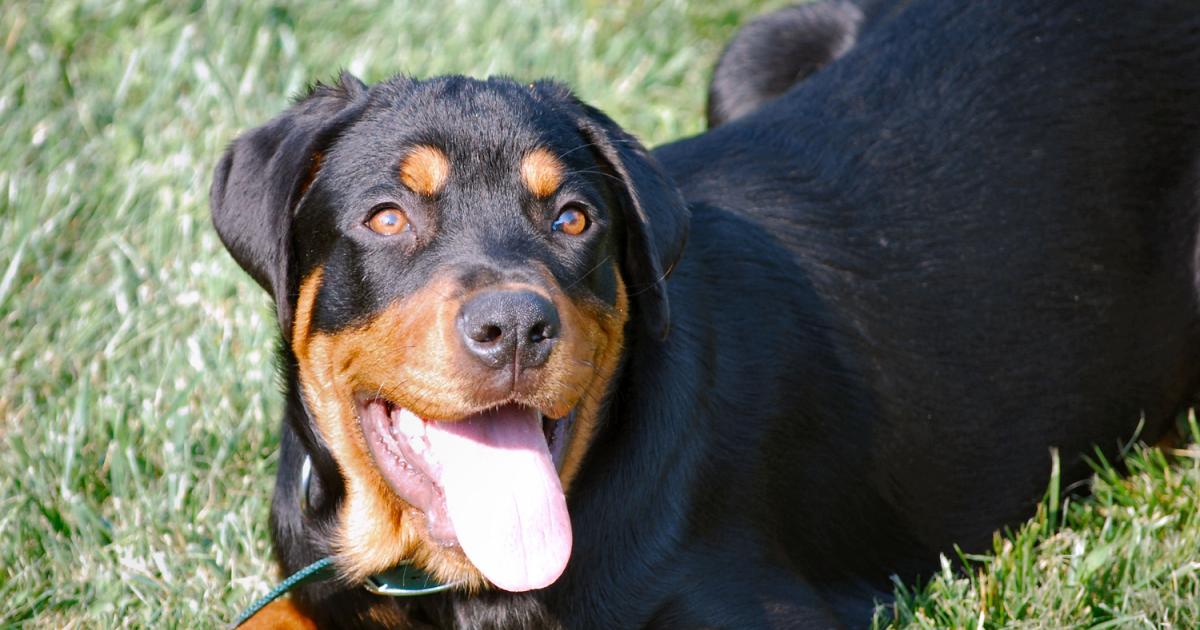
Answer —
402 580
319 569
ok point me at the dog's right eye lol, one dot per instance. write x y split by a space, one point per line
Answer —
388 221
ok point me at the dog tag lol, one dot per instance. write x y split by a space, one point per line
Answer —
405 580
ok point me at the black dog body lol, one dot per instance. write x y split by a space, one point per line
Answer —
969 240
999 225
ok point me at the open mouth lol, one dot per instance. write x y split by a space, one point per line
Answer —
487 483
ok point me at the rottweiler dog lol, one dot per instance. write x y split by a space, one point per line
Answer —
743 379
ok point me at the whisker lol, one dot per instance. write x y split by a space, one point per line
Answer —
593 171
587 273
582 146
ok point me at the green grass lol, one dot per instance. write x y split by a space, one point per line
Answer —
1127 556
137 393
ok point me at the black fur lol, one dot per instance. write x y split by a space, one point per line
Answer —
968 240
655 215
773 52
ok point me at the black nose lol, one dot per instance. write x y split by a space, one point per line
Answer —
500 327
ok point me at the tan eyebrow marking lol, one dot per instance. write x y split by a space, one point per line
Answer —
425 170
542 172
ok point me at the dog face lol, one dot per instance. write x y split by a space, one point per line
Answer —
452 263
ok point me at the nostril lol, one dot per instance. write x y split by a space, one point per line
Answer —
542 331
488 333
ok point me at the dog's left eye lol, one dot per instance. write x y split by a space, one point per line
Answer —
571 221
388 221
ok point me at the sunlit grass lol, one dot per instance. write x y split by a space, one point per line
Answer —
1127 556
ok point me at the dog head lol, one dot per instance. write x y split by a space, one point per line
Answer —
453 264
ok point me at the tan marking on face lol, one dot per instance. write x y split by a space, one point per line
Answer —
425 170
377 530
542 172
409 353
609 337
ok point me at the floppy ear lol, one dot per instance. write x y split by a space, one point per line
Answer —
264 173
653 211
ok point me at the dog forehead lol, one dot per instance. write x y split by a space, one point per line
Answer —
473 123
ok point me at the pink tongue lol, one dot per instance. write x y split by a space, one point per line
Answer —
503 496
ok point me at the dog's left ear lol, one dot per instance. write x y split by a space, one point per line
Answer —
654 213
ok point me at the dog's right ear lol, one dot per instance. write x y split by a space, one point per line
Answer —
265 172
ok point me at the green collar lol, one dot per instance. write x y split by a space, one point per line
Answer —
402 580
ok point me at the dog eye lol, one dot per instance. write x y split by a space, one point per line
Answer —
571 221
388 221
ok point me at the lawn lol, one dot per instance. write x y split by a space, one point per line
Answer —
138 396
